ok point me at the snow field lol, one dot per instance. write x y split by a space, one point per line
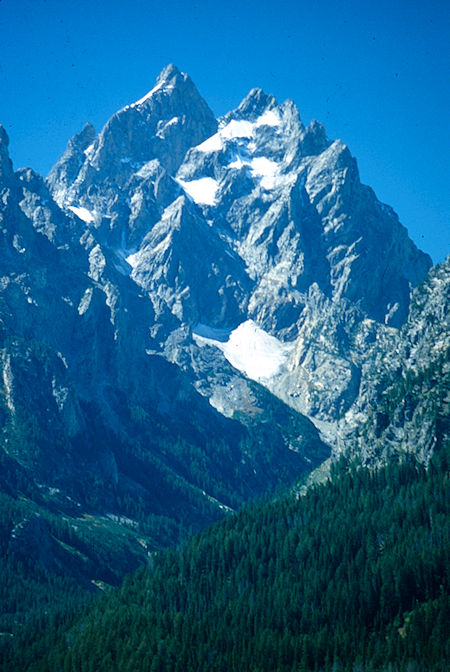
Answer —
249 349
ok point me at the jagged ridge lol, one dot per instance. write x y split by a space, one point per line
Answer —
174 266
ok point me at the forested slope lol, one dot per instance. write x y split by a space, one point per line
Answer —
353 575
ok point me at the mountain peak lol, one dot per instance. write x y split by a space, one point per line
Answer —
84 138
68 167
170 119
168 73
255 103
169 79
315 138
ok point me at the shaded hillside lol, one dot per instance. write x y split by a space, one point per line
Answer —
352 576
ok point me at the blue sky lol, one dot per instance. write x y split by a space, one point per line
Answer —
375 73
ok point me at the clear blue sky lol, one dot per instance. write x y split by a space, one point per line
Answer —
375 73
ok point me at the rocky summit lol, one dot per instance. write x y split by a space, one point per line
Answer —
261 253
193 311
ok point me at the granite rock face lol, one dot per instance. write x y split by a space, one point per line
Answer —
194 310
403 404
93 409
121 177
179 278
254 219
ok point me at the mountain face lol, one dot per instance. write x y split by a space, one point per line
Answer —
403 404
193 311
261 239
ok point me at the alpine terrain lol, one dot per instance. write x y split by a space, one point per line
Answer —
196 313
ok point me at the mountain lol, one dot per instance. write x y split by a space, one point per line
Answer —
351 576
261 231
194 312
98 427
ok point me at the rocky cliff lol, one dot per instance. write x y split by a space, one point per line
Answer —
195 310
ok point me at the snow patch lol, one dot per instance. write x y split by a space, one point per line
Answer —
202 191
251 350
262 168
133 259
89 151
82 213
212 144
237 128
268 118
161 85
266 169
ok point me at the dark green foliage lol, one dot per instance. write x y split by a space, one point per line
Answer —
78 513
352 576
171 472
159 476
